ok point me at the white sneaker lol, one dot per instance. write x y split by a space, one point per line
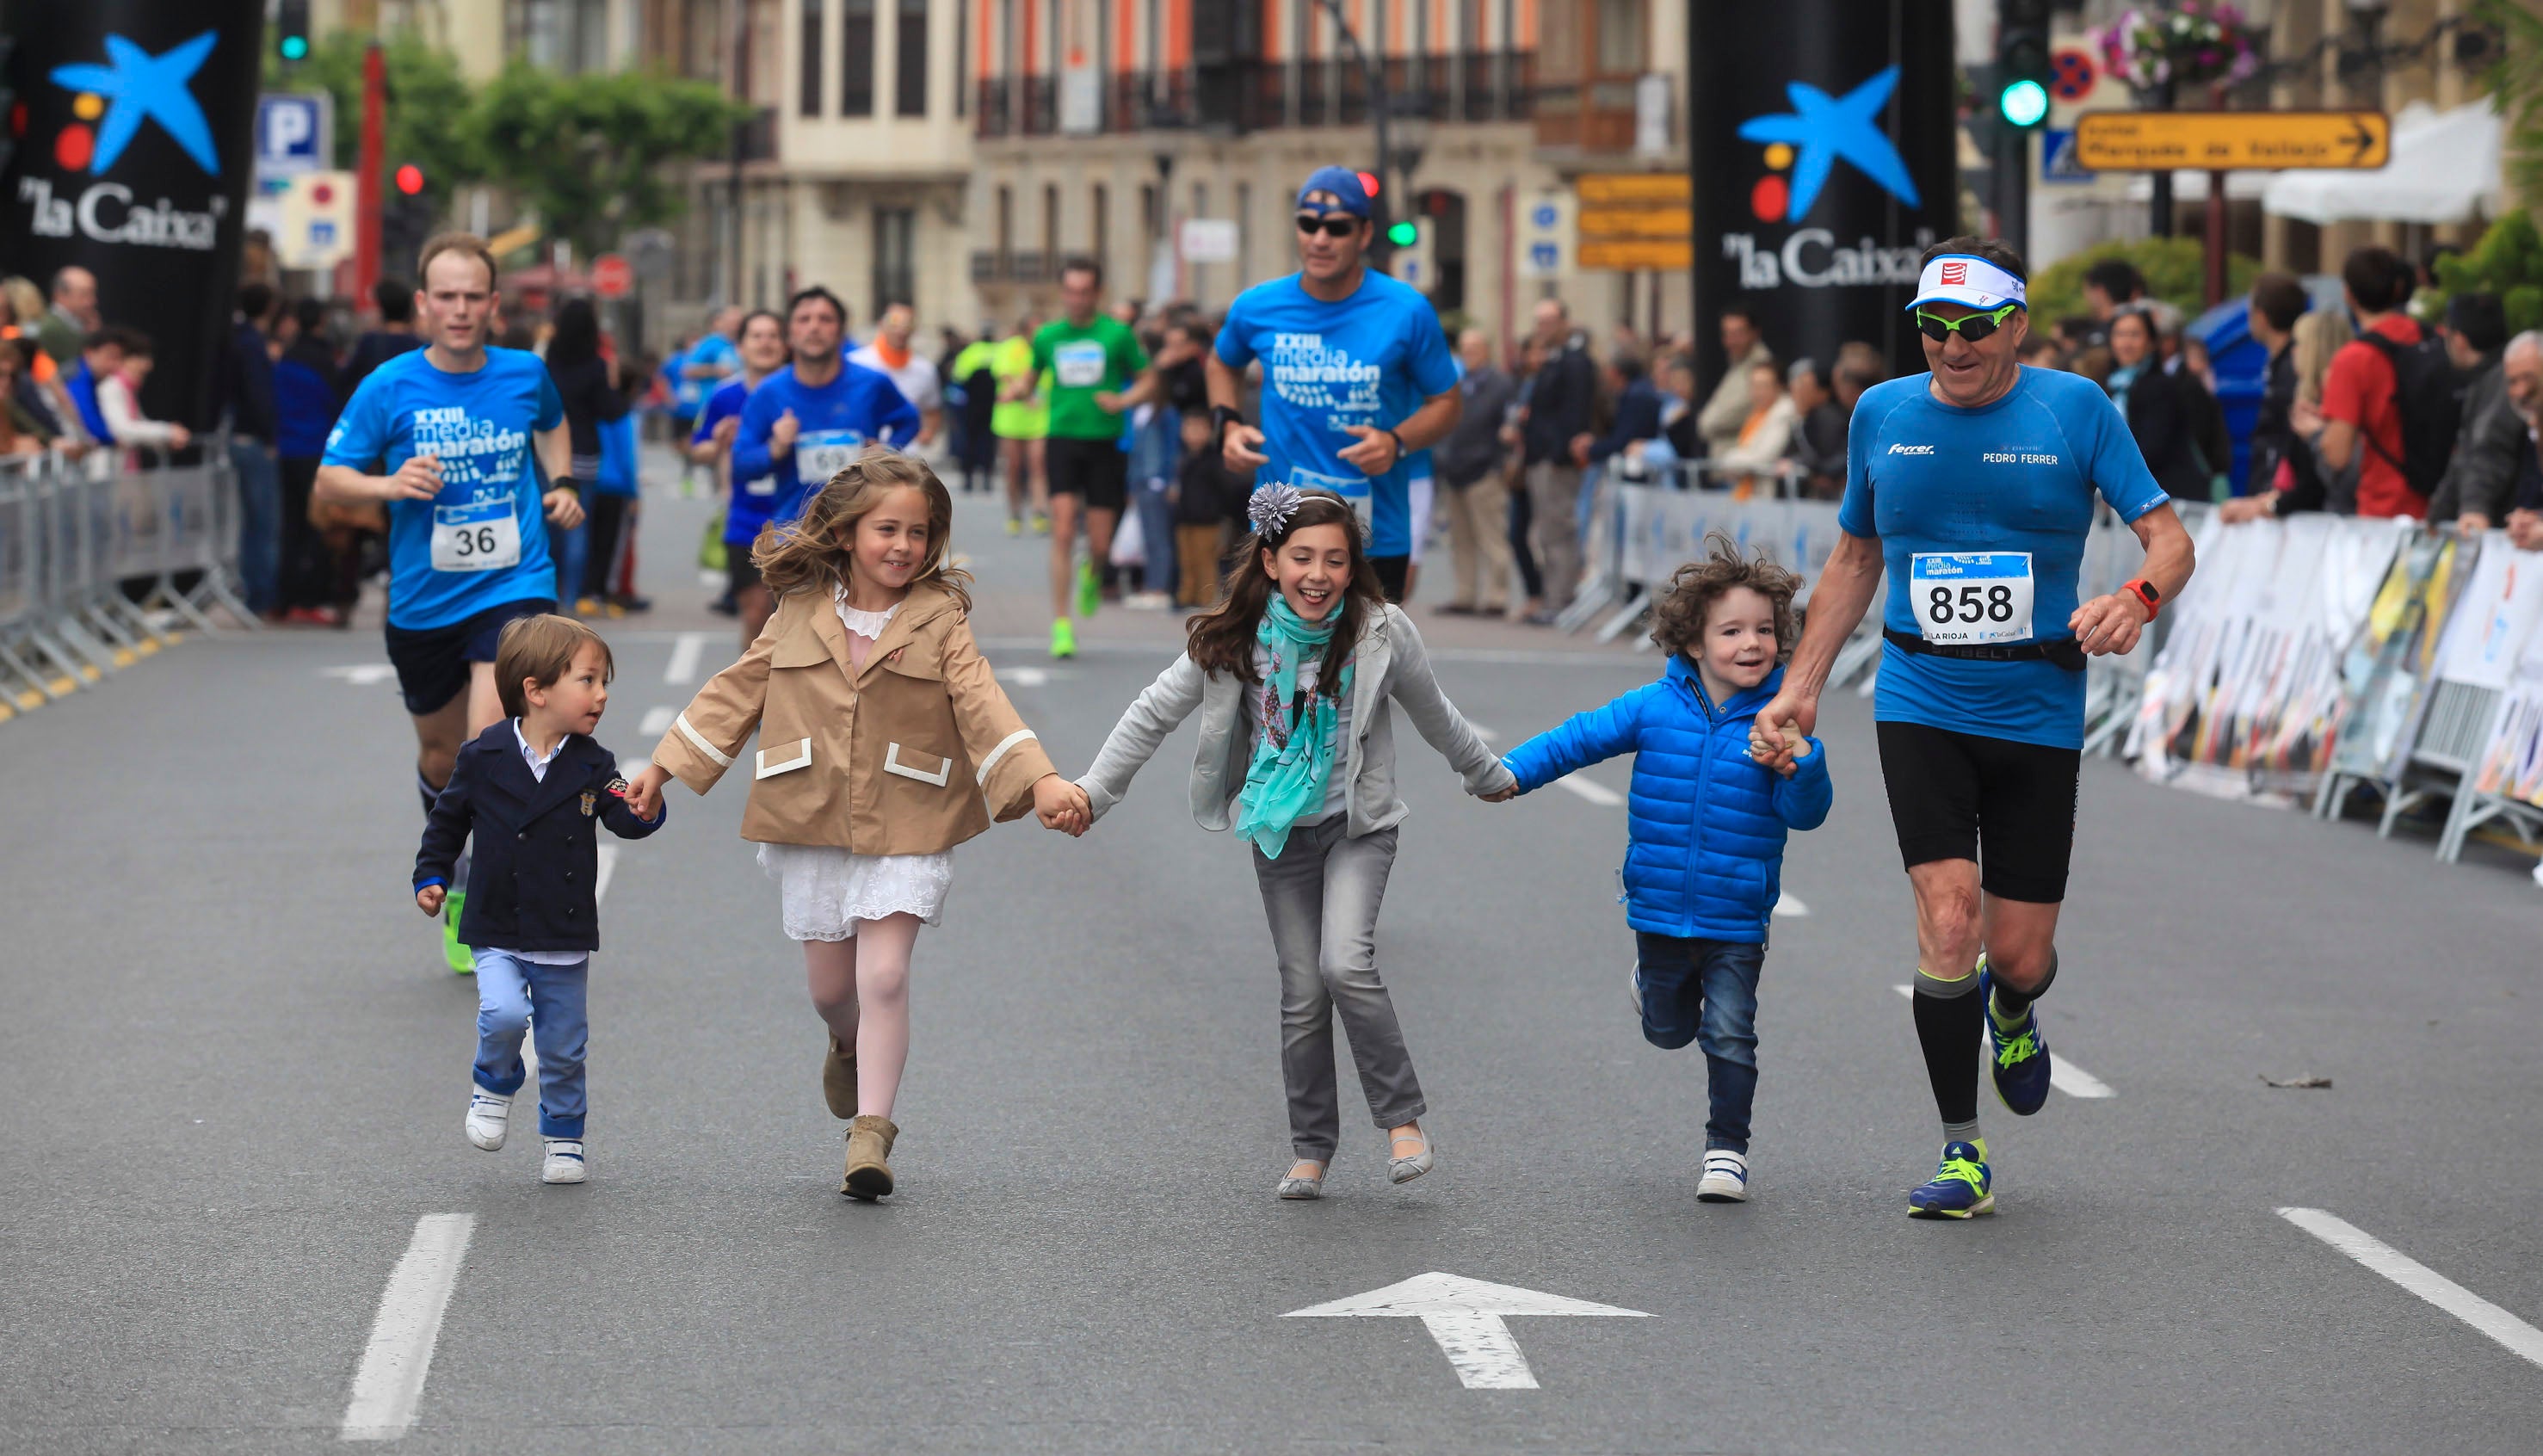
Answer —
489 1117
563 1160
1725 1177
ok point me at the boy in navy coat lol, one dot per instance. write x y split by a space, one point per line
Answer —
530 790
1705 825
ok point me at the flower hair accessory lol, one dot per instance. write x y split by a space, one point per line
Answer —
1272 505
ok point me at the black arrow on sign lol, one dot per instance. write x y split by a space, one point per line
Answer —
2362 138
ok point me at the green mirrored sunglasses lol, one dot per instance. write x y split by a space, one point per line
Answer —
1972 328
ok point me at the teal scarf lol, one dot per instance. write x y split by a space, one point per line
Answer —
1294 757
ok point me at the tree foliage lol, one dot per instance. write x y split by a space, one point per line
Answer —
426 121
2507 261
2516 82
2175 269
587 151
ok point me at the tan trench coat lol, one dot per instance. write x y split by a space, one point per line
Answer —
898 759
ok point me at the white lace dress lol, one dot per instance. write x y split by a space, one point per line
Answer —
826 890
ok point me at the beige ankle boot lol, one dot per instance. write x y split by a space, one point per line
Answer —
870 1141
840 1079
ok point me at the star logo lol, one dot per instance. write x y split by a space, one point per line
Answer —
137 85
1824 128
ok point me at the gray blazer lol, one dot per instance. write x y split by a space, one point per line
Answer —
1390 664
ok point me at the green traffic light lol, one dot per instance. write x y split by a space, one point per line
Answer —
2023 102
1403 235
295 47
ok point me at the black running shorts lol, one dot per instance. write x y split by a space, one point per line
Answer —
432 664
1094 470
2010 807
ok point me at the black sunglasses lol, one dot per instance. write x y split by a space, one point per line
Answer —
1972 328
1331 224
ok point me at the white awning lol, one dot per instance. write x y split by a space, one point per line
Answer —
2445 168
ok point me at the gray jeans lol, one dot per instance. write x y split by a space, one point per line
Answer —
1554 498
1322 897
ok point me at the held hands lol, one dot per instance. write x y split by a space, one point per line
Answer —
2109 624
420 478
428 899
781 435
565 509
1238 451
1780 737
1062 805
1374 455
1503 796
645 792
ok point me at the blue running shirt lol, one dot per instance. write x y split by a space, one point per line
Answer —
750 500
861 407
1974 490
1372 359
480 426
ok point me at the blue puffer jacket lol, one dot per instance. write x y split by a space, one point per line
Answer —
1704 856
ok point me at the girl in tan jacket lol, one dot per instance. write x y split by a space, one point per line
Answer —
885 743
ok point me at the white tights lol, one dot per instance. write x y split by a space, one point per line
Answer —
861 988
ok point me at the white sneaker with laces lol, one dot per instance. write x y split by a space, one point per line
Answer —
1725 1177
489 1117
563 1160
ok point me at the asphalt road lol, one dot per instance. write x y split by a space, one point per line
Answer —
235 1078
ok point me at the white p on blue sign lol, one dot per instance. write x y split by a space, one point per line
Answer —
294 133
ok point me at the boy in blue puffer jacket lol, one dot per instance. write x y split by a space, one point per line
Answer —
1704 834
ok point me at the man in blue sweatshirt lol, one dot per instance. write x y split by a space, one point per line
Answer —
808 420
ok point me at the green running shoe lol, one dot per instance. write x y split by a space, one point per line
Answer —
1962 1187
1063 638
459 957
1090 590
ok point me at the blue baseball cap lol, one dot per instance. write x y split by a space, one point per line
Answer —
1342 183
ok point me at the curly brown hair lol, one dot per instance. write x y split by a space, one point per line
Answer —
1677 622
816 549
1221 640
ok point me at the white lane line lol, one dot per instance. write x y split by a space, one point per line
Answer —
2520 1338
361 674
1026 677
1482 732
657 721
389 1385
600 877
1592 790
684 658
1790 906
2063 1074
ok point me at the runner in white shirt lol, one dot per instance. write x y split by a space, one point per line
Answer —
914 372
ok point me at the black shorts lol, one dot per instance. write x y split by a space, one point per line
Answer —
1391 573
432 664
739 570
1096 469
2008 806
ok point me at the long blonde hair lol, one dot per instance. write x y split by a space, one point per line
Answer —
814 550
2317 335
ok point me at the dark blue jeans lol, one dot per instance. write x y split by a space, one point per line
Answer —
1705 992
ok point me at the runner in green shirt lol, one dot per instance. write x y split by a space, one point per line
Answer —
1095 371
1020 420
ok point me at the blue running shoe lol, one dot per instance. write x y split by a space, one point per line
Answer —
2017 1055
1961 1187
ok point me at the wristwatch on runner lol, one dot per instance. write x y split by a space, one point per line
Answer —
2144 591
567 482
1220 417
1400 450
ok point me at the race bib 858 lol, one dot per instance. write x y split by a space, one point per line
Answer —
1971 597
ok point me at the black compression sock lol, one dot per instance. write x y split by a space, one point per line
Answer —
423 787
2009 1002
1947 1028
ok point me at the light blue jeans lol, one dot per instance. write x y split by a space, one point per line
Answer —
509 991
260 488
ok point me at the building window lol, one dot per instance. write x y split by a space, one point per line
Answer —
809 101
1050 226
909 52
895 259
1006 229
1100 200
856 58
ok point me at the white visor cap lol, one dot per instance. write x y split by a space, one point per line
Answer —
1968 279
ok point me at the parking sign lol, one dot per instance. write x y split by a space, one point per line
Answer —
295 134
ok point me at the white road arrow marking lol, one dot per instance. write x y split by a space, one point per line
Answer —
1465 1316
361 674
2063 1074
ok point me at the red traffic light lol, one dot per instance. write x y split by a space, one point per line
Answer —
1369 183
409 179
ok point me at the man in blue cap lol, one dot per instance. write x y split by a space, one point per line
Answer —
1357 380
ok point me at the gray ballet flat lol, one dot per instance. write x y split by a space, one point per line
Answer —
1304 1187
1405 1170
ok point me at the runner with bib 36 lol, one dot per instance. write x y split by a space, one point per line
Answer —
453 426
1973 487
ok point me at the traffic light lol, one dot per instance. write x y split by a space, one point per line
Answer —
1404 234
291 29
408 179
2022 63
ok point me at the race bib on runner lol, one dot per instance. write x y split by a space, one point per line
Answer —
484 536
822 453
1079 363
1972 598
1353 489
765 484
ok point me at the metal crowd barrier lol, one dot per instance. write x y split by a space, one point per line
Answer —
100 566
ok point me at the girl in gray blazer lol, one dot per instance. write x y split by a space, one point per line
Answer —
1294 673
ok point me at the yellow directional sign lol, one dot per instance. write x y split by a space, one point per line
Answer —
1634 189
1637 222
1636 256
2231 141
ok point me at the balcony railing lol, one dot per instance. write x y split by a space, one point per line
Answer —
1151 101
1255 96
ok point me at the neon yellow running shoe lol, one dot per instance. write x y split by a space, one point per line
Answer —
1040 524
1090 590
1063 638
1014 526
457 956
1962 1187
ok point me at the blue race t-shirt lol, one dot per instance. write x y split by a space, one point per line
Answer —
1983 515
750 500
482 542
1372 359
618 448
834 422
713 350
